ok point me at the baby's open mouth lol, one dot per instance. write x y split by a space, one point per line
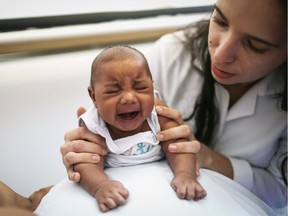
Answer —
128 116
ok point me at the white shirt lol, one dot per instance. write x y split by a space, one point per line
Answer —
252 133
139 148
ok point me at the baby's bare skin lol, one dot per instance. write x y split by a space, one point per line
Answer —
111 194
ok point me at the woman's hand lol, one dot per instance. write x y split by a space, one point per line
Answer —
182 131
206 157
81 146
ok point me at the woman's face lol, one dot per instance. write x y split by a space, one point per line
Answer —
247 40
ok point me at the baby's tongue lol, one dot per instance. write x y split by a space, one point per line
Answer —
128 116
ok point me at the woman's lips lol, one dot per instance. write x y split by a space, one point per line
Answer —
221 74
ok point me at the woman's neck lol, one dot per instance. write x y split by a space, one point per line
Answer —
236 91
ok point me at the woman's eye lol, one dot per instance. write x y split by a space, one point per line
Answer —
220 22
255 48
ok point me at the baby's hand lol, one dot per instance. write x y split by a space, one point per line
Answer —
111 194
187 187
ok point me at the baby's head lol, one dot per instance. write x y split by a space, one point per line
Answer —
122 87
116 53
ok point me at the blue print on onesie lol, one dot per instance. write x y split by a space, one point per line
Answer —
140 148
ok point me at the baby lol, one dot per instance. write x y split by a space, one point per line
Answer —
121 89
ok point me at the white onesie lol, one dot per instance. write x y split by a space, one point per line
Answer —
139 148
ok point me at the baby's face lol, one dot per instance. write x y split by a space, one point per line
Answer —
123 93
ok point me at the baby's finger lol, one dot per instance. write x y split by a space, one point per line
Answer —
200 192
110 203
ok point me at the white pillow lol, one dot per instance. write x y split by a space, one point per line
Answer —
152 195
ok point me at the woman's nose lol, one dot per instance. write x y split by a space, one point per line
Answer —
226 51
128 98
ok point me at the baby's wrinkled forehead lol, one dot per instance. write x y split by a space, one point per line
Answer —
118 53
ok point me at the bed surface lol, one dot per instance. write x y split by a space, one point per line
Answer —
151 194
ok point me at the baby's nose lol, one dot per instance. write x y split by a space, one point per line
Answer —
128 98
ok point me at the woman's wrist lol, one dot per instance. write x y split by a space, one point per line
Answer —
212 160
204 159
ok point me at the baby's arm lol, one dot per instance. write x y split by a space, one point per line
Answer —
183 165
108 193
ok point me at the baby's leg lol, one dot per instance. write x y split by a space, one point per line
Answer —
9 198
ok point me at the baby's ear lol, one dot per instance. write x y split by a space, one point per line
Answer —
92 94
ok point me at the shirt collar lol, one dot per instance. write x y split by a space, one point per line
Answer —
270 85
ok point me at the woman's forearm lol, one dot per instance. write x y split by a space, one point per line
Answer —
215 161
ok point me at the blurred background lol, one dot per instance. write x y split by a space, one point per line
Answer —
46 50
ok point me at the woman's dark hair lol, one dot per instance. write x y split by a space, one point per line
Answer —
206 112
284 168
283 96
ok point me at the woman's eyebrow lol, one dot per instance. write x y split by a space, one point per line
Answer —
263 41
220 13
250 36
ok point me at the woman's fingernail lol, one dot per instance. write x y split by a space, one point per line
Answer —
159 109
95 158
160 137
172 147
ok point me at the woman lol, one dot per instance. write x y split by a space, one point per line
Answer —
228 79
